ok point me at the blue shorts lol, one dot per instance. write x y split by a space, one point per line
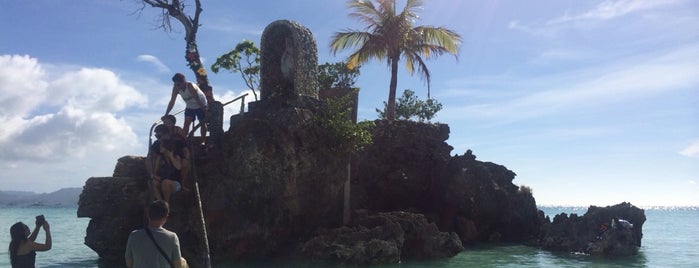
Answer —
197 114
178 186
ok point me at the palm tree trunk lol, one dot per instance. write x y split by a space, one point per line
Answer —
391 107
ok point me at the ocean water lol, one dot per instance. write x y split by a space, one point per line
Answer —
670 239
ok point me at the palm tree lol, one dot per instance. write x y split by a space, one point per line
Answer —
391 35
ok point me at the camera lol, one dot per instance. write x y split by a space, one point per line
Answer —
40 220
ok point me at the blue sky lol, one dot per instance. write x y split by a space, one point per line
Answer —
589 102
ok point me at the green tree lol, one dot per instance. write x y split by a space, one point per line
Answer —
410 106
346 135
336 75
390 35
244 59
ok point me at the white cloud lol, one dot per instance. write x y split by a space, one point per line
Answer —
605 11
94 90
621 80
231 27
23 84
558 55
612 9
692 150
77 119
162 68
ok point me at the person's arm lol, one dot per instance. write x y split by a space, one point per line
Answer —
173 96
47 244
156 166
129 262
179 263
175 159
32 237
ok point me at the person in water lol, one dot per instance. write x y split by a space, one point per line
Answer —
23 247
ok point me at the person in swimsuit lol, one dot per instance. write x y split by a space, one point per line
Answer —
23 247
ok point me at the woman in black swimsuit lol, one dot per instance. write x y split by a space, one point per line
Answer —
22 246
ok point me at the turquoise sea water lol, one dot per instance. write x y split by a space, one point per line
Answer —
670 239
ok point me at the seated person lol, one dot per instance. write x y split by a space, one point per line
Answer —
179 135
164 161
170 121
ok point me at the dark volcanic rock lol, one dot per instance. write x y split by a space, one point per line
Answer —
274 182
592 233
383 238
409 168
115 206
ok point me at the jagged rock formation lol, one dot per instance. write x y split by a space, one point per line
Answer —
273 185
593 234
276 178
383 238
409 168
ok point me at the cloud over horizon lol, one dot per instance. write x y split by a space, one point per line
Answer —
62 120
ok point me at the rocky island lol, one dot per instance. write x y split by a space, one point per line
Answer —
276 186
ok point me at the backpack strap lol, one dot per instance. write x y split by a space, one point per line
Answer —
158 246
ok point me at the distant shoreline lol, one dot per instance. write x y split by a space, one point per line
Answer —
66 197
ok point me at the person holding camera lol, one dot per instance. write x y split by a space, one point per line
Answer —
23 247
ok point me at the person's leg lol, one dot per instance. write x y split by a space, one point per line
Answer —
156 190
184 173
189 115
201 116
170 187
203 131
187 122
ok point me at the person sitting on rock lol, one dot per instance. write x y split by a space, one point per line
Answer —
165 162
621 224
178 135
170 121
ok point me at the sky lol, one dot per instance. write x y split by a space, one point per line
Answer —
588 102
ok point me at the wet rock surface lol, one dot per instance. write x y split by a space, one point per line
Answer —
593 233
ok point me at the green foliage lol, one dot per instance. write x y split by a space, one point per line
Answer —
391 35
336 75
346 136
244 59
410 106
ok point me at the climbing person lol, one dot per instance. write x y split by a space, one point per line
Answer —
23 247
164 161
195 100
154 246
171 122
180 138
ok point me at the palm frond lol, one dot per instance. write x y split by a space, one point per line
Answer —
440 36
349 39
